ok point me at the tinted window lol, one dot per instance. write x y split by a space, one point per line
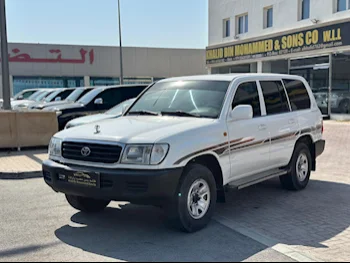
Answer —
247 94
111 97
131 92
298 95
275 97
65 94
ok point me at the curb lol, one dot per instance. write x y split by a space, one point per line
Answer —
20 175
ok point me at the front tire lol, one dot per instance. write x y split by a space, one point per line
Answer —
195 201
87 205
300 169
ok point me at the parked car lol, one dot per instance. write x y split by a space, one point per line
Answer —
74 96
340 100
115 112
36 97
57 96
23 95
98 100
185 139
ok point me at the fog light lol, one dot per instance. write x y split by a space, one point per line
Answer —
62 177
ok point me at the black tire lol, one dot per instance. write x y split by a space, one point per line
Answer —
344 106
292 181
87 205
179 212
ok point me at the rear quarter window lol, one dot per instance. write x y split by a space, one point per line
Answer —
298 95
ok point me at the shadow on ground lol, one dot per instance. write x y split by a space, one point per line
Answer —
136 233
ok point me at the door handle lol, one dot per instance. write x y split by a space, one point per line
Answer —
292 121
262 127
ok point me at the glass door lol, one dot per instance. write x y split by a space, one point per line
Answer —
316 72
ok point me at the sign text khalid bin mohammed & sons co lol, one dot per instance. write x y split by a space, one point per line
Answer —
307 40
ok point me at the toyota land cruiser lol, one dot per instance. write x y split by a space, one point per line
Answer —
185 139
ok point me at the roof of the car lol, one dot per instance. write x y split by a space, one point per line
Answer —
230 77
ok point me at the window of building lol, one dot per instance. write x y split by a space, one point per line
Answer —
268 17
304 9
275 97
242 22
298 96
227 27
341 5
104 81
247 94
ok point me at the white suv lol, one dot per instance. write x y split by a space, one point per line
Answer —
185 139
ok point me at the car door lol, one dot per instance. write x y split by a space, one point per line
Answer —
282 122
249 139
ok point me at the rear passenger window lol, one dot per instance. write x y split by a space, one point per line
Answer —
247 94
298 96
275 97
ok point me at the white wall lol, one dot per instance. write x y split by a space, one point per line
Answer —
285 16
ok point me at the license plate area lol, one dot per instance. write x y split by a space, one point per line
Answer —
85 179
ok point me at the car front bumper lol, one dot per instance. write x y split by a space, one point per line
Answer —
135 186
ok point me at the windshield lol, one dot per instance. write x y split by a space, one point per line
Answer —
35 95
52 96
118 110
75 95
43 95
89 96
183 98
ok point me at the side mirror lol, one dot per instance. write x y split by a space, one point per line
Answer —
20 97
99 101
58 99
241 112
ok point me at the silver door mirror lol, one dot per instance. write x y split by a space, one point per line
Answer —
58 99
241 112
20 97
99 101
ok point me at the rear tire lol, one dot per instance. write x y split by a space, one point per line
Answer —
87 205
300 169
193 206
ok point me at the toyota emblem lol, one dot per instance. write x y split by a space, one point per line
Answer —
85 151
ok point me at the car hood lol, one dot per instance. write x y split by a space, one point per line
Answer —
65 107
53 104
90 119
20 102
135 129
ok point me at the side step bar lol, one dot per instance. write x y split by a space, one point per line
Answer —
255 179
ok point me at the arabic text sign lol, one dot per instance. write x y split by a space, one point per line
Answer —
17 56
307 40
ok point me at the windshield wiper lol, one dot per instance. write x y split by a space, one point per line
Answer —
143 112
180 113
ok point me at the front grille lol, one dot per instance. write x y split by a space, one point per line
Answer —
99 153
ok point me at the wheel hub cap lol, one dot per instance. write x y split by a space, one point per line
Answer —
198 200
302 167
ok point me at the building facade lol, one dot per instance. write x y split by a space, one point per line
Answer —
310 38
54 66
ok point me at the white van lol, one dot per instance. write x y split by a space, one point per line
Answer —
185 139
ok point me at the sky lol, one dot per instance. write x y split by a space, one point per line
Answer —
145 23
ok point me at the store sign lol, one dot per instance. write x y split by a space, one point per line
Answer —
55 56
307 40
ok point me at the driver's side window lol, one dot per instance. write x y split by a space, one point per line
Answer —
247 94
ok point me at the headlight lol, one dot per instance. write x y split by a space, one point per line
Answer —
335 96
145 154
58 113
55 147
